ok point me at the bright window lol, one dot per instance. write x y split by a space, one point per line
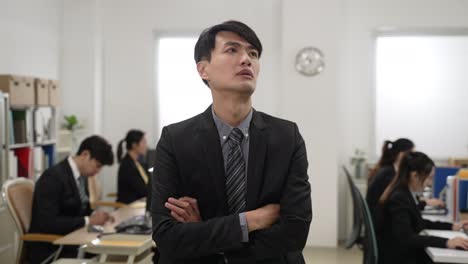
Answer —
181 93
422 92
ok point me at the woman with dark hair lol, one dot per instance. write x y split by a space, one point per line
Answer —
399 220
385 170
391 155
132 181
383 173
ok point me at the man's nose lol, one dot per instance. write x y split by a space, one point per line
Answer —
246 60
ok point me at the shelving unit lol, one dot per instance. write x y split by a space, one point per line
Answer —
29 131
32 141
20 116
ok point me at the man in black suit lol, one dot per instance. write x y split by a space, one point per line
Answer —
61 198
230 185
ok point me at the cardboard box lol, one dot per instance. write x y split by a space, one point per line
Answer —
54 93
20 89
41 88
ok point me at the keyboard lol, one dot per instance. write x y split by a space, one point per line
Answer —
434 210
139 224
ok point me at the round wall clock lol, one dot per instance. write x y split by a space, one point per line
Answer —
310 61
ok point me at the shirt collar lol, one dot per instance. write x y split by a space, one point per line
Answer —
225 129
74 167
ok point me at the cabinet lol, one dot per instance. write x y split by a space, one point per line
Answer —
28 127
32 140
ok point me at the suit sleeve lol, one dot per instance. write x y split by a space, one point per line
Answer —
290 233
185 240
48 193
400 213
437 225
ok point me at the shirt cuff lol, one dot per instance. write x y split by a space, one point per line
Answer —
86 220
244 227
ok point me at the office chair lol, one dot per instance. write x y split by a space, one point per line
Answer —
18 195
95 193
370 240
355 237
362 218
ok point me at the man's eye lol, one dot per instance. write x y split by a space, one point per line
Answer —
254 54
231 50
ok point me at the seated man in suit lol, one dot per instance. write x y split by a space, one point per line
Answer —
230 185
61 198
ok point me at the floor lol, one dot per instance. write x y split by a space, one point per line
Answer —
338 255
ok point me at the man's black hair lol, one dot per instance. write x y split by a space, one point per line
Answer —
207 40
98 148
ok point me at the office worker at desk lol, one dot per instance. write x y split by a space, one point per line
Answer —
399 220
230 185
385 170
132 179
61 198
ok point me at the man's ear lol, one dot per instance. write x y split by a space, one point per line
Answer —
85 154
202 68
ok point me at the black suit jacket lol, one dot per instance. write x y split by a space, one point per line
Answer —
189 162
56 207
130 184
398 226
377 186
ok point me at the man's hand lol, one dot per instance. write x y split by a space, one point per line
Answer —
99 218
263 217
184 209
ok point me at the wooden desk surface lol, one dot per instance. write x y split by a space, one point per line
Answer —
82 236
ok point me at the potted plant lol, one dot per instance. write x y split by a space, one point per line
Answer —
72 125
357 161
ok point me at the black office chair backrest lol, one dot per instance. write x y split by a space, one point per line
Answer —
362 218
355 236
370 239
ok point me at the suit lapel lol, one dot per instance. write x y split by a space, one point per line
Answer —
257 153
69 178
213 156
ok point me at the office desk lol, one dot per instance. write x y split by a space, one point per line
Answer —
445 255
82 236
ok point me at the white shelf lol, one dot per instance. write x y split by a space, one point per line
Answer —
62 150
45 143
20 145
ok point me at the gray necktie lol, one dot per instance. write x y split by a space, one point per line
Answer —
235 173
82 191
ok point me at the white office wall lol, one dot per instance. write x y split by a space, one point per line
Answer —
312 102
30 37
79 70
356 89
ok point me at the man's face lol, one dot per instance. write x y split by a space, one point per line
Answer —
234 65
90 166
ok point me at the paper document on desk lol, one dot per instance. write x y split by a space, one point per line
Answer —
444 233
